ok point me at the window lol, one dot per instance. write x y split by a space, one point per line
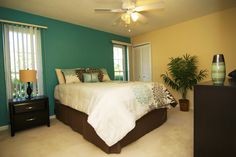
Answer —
22 50
119 57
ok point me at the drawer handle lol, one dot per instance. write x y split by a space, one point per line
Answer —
30 119
29 108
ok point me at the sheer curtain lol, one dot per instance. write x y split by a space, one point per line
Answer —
22 50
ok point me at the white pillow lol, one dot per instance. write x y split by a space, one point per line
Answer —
60 76
105 75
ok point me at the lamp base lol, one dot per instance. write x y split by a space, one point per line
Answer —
29 91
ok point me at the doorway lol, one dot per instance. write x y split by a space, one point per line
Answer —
142 62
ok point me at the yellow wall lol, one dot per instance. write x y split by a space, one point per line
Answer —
203 36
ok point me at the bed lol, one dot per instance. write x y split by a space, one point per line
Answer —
112 114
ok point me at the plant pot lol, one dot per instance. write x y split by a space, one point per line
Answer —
184 105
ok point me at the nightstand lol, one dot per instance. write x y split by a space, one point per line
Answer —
27 113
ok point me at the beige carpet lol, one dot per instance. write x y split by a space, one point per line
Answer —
172 139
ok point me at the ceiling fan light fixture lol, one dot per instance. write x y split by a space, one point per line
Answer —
126 18
134 16
130 12
123 17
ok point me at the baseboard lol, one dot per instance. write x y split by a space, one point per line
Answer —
6 127
53 116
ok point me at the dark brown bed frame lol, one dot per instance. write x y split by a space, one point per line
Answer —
78 121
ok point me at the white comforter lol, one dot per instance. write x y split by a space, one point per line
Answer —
113 107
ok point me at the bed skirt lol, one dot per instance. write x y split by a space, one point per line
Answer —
78 122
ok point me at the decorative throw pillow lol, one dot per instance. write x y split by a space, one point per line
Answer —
95 70
105 75
60 76
70 76
79 72
90 77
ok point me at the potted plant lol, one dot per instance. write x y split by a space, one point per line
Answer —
183 75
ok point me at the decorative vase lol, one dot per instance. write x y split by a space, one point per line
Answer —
218 69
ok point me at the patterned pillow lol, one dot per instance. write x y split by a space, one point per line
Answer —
90 77
70 75
95 70
105 75
79 72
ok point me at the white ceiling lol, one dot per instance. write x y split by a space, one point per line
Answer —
81 12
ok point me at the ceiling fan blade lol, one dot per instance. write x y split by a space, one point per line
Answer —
109 10
102 10
118 10
152 6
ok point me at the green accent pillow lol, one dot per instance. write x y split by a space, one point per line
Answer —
70 76
95 70
90 77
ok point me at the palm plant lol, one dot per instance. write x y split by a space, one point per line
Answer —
183 74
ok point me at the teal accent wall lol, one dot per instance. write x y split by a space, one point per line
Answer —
64 45
3 103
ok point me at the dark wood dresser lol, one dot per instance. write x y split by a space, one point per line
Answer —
215 120
27 113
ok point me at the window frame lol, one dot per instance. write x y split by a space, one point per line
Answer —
124 61
25 43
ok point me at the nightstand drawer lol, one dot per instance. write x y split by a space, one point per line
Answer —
30 120
27 107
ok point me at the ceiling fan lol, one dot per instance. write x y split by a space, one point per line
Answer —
130 10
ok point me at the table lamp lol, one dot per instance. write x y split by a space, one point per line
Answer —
28 76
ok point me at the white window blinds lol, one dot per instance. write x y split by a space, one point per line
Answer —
22 50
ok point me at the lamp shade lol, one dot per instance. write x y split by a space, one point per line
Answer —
28 75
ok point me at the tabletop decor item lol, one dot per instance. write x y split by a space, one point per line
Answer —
218 69
28 76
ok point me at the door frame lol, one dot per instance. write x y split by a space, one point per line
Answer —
133 67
